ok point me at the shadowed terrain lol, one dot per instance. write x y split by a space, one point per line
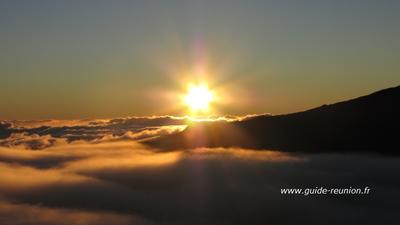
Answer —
362 124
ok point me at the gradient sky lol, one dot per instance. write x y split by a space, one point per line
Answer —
88 59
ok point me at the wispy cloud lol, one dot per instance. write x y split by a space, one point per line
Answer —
33 141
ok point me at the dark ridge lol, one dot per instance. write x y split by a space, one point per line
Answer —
365 124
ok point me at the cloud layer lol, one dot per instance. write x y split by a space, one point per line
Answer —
46 133
40 134
123 182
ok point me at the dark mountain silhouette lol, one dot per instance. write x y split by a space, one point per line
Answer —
367 123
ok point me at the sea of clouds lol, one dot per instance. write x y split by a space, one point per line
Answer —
98 172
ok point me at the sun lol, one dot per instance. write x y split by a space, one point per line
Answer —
198 98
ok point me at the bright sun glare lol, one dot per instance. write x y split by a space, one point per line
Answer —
198 98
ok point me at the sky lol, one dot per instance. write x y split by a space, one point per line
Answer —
101 59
